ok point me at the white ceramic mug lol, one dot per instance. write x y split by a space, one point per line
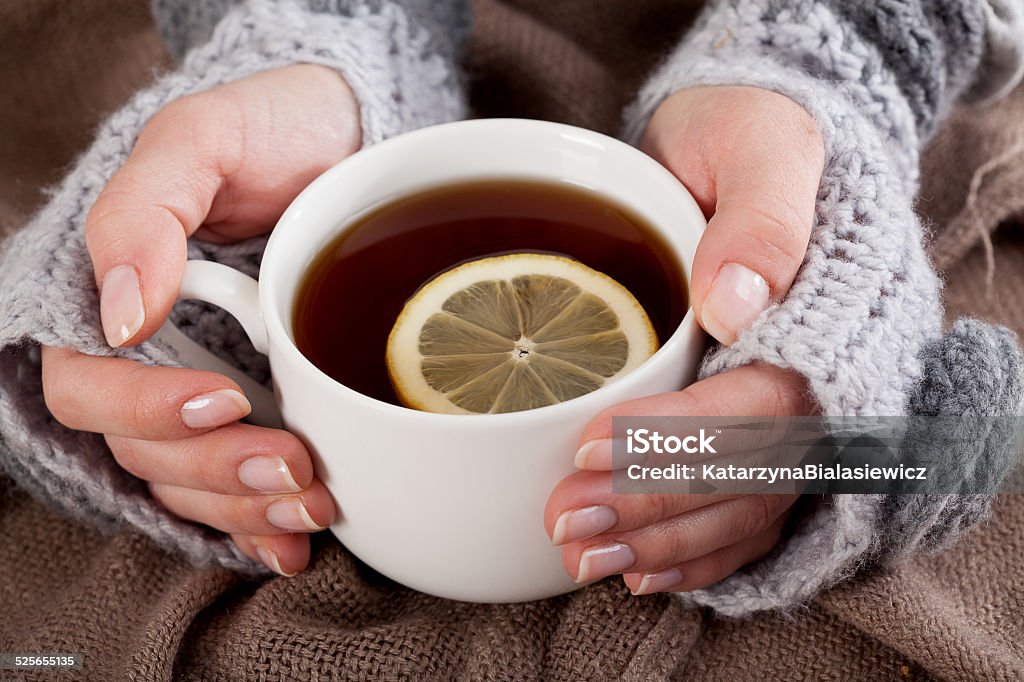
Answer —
451 505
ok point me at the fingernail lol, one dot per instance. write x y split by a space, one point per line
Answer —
595 454
268 475
604 560
659 581
736 298
269 557
215 409
583 523
121 310
291 515
605 454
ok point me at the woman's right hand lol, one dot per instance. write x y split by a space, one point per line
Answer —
221 165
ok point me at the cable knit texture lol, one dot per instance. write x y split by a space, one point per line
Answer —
1003 65
971 402
48 293
861 322
865 306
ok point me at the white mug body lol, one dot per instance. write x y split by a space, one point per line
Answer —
452 505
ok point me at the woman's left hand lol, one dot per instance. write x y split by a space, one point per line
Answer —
672 542
753 160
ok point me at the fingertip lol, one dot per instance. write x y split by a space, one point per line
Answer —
122 310
651 583
606 454
286 555
632 582
595 455
736 299
271 559
294 452
138 253
216 408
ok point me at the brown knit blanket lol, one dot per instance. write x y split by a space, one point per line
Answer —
136 612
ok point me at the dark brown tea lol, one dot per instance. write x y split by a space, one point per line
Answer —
354 290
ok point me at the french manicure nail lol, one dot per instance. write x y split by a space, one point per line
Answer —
605 454
268 475
659 581
291 515
215 409
594 454
579 524
736 299
269 557
122 312
604 560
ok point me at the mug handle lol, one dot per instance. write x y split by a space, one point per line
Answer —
238 294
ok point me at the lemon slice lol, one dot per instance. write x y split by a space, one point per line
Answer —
515 332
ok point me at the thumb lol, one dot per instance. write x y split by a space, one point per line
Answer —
136 231
757 236
750 254
753 160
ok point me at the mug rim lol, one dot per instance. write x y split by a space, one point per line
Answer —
277 331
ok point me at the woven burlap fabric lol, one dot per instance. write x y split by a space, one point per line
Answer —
973 192
139 613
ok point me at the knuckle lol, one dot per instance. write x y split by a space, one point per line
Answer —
680 545
778 231
151 399
54 397
162 494
209 124
686 402
209 467
126 455
795 124
759 512
319 504
674 542
294 453
710 570
792 396
180 111
656 508
784 391
287 445
808 142
772 247
766 542
243 513
145 410
59 390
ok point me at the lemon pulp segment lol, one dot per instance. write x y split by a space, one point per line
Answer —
515 332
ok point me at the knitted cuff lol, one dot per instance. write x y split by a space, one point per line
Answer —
971 405
974 370
864 310
1003 67
47 291
865 299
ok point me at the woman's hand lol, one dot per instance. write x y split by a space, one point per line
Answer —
672 542
221 165
753 161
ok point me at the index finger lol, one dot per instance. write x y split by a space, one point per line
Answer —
123 398
136 231
756 390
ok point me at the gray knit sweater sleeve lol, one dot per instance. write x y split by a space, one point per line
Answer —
862 319
398 56
400 62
